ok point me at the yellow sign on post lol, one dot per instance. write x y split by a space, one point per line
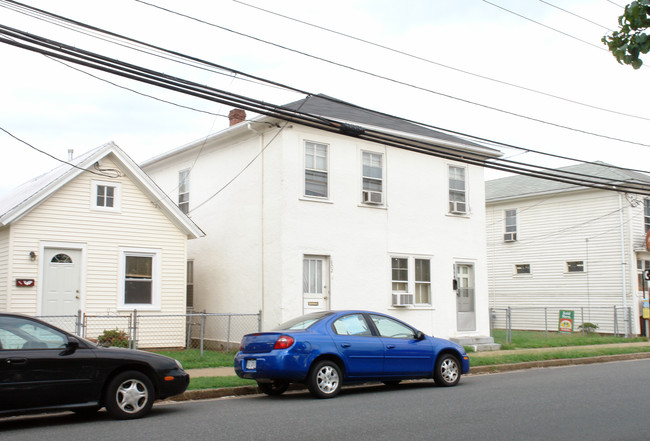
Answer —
646 309
566 321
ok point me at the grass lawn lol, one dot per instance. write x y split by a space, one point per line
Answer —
538 339
191 358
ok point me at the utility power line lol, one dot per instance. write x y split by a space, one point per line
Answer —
59 50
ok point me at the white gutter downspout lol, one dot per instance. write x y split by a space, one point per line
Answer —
624 273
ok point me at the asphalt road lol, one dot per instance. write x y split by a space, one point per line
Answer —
608 401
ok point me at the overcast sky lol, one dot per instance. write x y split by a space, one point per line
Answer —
55 107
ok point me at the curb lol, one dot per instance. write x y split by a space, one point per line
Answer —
204 394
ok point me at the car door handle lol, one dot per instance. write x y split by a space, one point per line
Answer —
390 346
345 345
16 361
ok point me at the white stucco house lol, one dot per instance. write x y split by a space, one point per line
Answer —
97 235
565 247
300 219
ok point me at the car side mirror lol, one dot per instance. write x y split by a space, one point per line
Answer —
419 335
72 345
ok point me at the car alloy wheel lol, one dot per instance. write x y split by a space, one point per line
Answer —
325 379
130 395
447 371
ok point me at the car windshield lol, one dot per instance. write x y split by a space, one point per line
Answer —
302 322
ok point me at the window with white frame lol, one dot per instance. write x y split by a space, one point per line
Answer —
575 266
106 195
522 268
316 169
140 279
510 234
457 190
184 191
410 281
372 191
642 266
646 214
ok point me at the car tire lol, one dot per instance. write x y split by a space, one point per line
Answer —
275 388
324 380
129 395
447 371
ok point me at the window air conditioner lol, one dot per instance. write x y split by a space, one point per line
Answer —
510 237
457 207
372 197
403 299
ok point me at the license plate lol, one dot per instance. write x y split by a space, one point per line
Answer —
251 364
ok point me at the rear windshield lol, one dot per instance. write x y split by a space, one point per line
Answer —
303 322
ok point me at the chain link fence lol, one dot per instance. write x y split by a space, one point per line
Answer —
194 330
609 320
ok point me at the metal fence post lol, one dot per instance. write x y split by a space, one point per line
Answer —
134 329
259 321
202 331
509 326
546 321
582 318
228 335
615 322
77 325
629 321
189 331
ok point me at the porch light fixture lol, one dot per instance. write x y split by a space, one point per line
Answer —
32 255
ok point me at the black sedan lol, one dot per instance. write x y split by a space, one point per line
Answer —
44 368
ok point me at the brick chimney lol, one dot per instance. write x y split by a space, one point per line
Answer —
236 116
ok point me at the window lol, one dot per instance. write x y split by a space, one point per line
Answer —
641 266
457 190
184 191
189 292
646 214
576 266
19 333
422 281
410 281
510 234
523 268
388 327
106 196
353 324
372 191
316 175
140 279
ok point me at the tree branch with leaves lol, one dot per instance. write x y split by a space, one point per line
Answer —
632 40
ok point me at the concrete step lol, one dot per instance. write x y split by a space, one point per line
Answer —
478 344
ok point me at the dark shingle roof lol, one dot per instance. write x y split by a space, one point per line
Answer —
524 186
322 105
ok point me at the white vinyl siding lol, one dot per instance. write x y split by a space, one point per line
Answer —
67 217
550 235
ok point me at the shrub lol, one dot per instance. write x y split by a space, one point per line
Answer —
114 337
588 327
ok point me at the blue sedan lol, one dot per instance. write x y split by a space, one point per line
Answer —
326 349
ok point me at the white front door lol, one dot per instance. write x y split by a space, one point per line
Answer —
315 283
61 281
465 313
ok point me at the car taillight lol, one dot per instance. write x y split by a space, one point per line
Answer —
283 342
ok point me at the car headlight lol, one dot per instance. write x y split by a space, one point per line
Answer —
178 363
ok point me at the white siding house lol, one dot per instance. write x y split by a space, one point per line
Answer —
554 246
299 219
94 235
